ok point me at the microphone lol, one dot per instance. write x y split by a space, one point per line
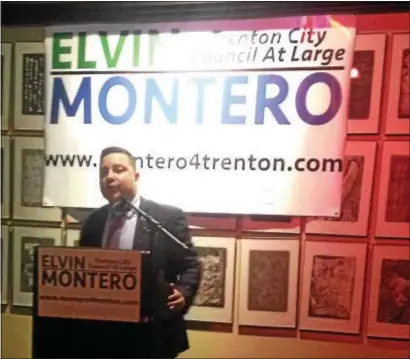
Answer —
126 208
119 209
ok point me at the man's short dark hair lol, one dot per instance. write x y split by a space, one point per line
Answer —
115 149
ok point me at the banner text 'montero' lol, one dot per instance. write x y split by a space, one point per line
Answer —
169 95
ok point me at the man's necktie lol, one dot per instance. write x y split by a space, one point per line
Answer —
114 234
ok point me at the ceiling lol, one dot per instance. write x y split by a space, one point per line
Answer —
15 13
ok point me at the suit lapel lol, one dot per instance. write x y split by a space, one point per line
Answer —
141 235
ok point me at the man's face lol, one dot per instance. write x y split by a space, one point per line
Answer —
117 177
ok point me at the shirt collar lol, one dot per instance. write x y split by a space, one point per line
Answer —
136 200
136 203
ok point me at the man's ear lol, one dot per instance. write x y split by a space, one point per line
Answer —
137 176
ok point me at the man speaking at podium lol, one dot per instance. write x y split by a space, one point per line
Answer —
181 269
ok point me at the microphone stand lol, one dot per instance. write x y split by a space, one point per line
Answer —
156 227
151 221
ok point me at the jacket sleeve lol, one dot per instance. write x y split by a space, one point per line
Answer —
90 226
84 234
186 261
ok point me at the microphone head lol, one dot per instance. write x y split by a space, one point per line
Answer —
121 207
118 207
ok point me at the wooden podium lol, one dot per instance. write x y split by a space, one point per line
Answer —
93 303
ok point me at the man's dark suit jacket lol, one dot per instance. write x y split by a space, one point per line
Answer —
179 265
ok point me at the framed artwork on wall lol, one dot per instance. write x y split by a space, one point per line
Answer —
366 83
271 224
72 238
333 277
5 176
398 103
268 282
5 273
29 88
29 180
389 310
358 174
6 53
24 242
214 300
393 205
211 222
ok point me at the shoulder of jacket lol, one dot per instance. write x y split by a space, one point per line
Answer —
96 214
161 207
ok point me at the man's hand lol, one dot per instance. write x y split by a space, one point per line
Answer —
176 300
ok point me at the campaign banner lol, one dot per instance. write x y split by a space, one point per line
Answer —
236 117
89 284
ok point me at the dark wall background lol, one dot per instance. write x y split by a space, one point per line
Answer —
64 12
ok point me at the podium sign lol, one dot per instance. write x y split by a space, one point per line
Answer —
89 284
